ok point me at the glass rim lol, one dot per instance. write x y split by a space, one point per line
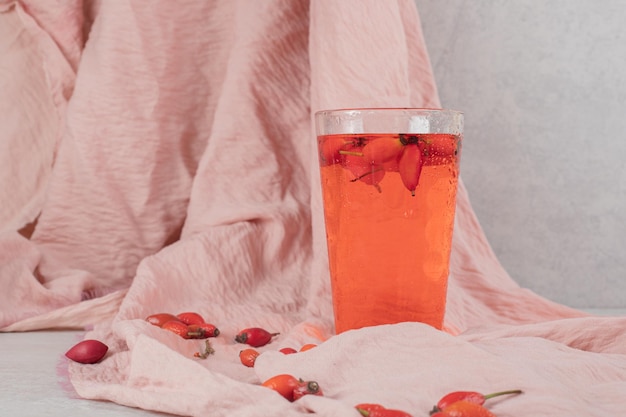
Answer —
328 112
366 120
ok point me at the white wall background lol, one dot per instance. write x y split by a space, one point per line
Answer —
543 87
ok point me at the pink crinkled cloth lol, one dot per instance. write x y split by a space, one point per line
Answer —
159 157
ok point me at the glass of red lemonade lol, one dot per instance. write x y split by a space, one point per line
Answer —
389 181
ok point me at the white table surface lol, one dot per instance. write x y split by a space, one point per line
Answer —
30 385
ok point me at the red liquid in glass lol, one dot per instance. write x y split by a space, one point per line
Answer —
389 250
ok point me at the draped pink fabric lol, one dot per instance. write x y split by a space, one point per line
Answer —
166 152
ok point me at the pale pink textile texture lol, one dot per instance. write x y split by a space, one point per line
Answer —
167 152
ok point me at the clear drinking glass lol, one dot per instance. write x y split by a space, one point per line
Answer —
389 181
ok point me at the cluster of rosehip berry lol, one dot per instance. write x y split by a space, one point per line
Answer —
190 325
369 157
454 404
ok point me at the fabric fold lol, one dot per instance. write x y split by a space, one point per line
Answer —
185 178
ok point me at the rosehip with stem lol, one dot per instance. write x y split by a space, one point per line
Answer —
470 396
190 318
464 409
382 150
160 319
292 388
330 148
410 166
248 357
377 410
180 329
255 336
284 384
203 331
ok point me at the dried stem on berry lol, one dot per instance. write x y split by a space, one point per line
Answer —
208 350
